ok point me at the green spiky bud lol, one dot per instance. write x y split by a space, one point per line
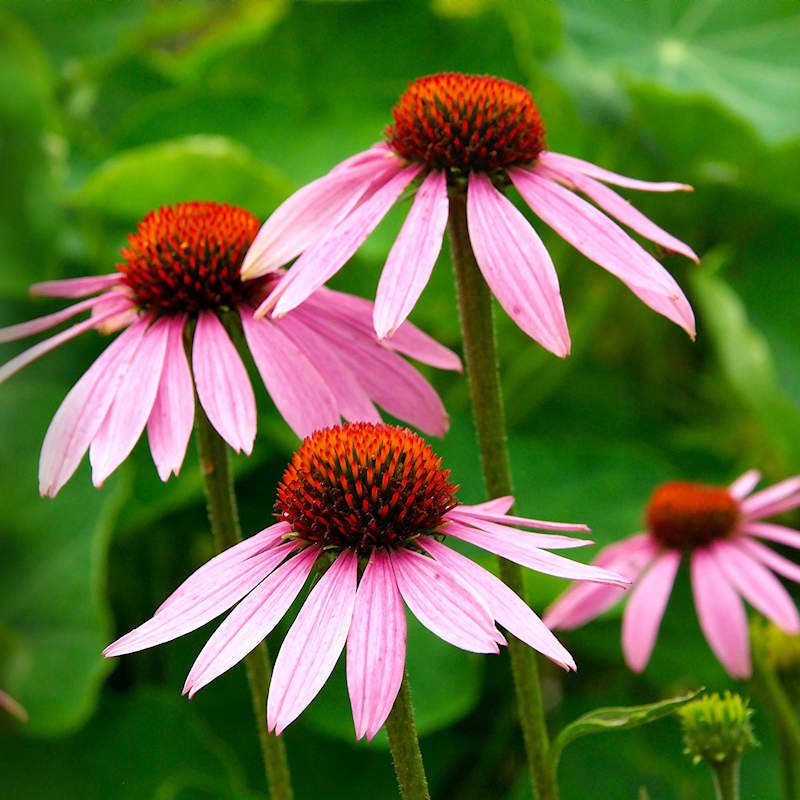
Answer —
717 729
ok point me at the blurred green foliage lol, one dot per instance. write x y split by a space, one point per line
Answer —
109 109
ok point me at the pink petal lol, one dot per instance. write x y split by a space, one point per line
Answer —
299 392
222 384
776 533
310 214
758 586
327 256
190 608
473 515
13 332
585 601
13 707
410 263
571 164
171 419
645 609
83 410
520 547
504 605
251 621
769 558
604 242
443 604
76 287
499 505
516 265
543 540
619 208
376 646
721 614
131 406
781 497
744 484
313 643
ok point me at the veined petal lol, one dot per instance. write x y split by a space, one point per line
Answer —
572 165
131 406
774 500
721 614
543 540
604 242
327 256
443 604
769 558
473 514
376 646
20 331
645 609
758 586
519 547
313 643
744 484
76 287
773 532
222 384
498 505
516 265
251 620
296 387
410 263
504 605
169 425
83 410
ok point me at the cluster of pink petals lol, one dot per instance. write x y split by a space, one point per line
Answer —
319 364
451 595
325 222
722 574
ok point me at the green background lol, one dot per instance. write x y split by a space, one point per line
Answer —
108 109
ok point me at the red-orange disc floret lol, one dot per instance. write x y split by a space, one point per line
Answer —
685 515
464 123
362 486
187 257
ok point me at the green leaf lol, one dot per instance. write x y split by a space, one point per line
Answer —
192 168
741 53
617 718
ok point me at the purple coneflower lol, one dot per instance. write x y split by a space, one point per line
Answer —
479 134
719 530
372 509
178 287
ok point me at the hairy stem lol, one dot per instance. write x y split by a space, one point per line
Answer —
406 755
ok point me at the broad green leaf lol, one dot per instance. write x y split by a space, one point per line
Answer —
741 53
193 168
603 720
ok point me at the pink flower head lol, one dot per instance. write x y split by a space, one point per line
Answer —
372 507
719 530
179 287
464 133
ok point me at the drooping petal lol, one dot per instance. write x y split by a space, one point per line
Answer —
20 331
585 601
222 384
376 646
443 604
191 609
604 242
313 644
645 609
516 265
410 263
774 500
572 164
83 410
744 484
251 620
171 419
76 287
504 605
476 514
299 392
773 532
721 614
327 256
758 586
131 406
769 558
520 547
310 213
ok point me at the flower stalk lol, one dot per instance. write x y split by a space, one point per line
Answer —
480 354
224 519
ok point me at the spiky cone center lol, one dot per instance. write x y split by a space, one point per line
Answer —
363 486
186 258
717 728
686 516
466 123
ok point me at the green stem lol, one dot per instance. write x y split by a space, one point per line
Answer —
406 755
726 780
480 353
224 518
